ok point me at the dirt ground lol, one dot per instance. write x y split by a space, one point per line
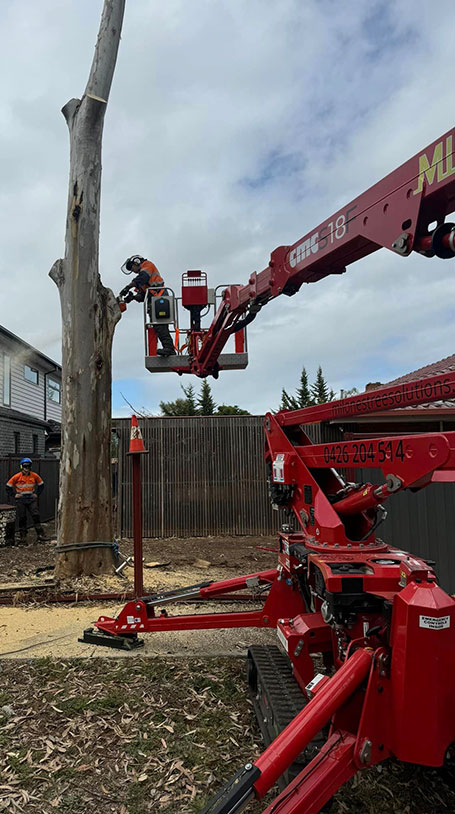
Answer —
43 629
155 730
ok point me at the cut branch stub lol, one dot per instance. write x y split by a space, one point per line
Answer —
57 273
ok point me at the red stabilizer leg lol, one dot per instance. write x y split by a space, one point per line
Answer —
139 616
331 767
306 725
320 780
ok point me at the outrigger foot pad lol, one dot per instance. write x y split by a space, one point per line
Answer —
127 642
236 793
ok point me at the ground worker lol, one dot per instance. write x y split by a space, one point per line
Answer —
147 279
25 488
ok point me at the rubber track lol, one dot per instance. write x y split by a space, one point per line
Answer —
277 700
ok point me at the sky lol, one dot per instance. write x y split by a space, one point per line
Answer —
233 127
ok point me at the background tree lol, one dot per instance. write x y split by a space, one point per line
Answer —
186 406
203 405
205 400
89 315
288 402
320 392
303 394
231 409
302 397
306 396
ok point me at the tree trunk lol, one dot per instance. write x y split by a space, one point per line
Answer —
89 315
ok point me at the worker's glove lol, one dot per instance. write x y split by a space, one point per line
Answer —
124 291
34 497
129 298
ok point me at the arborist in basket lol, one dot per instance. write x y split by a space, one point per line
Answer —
25 488
147 279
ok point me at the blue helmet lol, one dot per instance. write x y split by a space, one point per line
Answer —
25 461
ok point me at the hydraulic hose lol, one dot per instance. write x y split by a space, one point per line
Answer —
242 323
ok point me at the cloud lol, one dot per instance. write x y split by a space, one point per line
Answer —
232 128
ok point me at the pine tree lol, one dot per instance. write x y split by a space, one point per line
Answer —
186 406
288 402
319 390
303 394
205 400
191 399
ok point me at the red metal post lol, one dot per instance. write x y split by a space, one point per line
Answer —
136 450
137 528
239 339
152 341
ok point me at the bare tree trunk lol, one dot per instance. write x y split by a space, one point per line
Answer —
89 315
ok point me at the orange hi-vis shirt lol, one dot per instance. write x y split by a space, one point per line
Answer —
25 484
155 278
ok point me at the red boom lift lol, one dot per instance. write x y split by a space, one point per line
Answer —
382 626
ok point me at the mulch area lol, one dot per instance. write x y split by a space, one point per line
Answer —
229 555
116 736
154 736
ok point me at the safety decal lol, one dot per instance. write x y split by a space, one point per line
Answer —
434 622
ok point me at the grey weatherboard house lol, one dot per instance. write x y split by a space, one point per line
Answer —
30 397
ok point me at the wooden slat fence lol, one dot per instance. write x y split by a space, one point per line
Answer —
204 475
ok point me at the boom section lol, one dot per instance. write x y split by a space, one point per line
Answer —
395 213
407 394
391 214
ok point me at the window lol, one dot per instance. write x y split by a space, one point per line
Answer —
54 391
30 374
17 442
6 379
35 444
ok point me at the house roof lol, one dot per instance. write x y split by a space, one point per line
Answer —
25 418
434 369
42 356
436 410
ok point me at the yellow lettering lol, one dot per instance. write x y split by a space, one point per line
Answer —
427 169
450 156
450 169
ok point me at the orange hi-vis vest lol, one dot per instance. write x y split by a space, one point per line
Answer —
155 278
25 484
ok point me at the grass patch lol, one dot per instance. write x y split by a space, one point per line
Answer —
80 703
142 736
20 766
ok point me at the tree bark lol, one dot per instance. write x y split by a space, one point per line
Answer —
89 315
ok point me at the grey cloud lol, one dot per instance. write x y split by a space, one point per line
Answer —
204 94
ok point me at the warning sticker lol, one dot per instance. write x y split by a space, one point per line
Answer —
278 469
282 639
434 622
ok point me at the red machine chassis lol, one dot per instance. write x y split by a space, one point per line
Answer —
375 614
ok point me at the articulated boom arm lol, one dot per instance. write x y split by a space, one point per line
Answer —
395 213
